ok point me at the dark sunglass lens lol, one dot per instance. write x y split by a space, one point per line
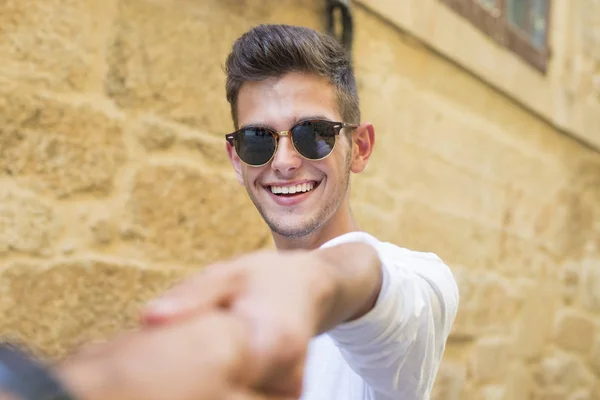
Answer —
255 146
314 139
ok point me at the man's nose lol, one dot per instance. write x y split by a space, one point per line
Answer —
286 159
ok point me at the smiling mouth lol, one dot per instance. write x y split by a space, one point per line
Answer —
294 190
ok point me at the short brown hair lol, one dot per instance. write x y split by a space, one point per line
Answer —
268 51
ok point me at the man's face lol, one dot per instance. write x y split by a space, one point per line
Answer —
279 103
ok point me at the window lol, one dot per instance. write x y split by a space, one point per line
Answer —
519 25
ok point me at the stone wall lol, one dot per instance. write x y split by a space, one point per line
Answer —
114 183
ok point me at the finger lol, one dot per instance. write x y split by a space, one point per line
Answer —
209 289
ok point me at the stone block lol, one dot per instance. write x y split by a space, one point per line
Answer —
374 192
450 382
420 173
496 158
489 304
28 224
192 215
581 394
154 134
88 225
158 134
578 210
596 390
424 226
553 393
210 148
519 383
56 146
591 284
490 360
169 59
564 371
595 357
56 307
534 323
377 222
103 231
492 392
55 44
574 330
571 282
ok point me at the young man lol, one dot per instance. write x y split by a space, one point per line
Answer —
336 314
333 314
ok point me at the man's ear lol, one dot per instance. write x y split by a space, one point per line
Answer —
235 162
363 141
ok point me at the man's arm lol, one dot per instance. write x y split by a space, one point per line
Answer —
402 308
338 284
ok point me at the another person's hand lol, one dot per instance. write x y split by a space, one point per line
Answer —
282 296
203 358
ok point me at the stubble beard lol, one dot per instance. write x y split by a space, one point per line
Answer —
313 223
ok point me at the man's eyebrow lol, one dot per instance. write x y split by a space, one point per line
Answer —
291 122
295 120
259 125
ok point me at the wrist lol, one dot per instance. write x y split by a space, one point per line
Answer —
325 286
356 273
91 376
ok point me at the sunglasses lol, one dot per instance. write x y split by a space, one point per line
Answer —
313 139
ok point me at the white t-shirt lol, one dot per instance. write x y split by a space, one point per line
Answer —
393 352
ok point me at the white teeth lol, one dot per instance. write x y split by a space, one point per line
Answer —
301 188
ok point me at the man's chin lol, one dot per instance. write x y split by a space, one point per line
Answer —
293 229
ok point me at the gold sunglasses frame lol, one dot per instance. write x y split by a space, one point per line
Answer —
337 126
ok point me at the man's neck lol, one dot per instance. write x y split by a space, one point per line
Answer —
342 222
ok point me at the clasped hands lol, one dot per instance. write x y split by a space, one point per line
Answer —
277 300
